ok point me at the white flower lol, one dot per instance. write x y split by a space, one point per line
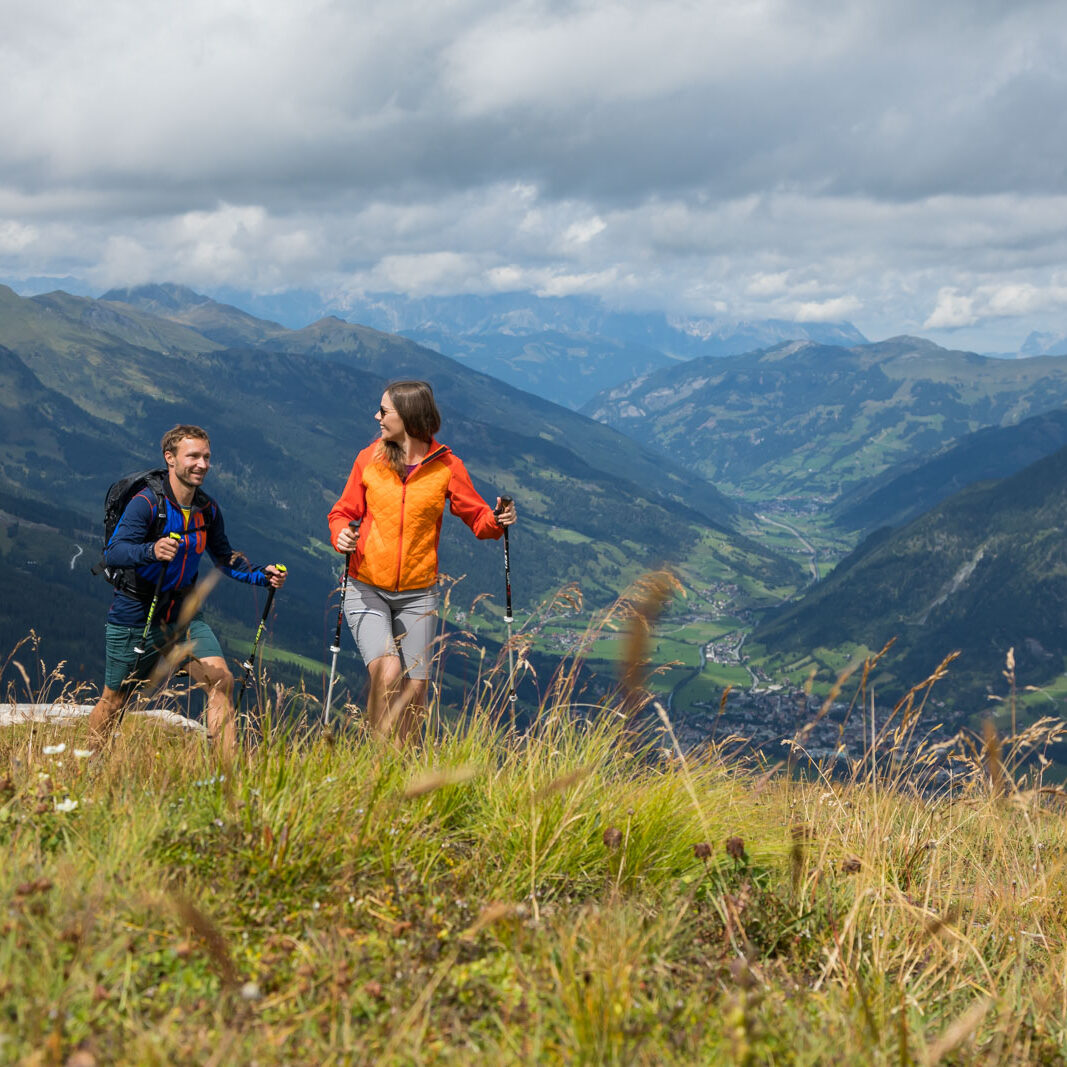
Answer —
54 750
66 804
83 753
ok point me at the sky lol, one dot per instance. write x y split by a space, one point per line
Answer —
900 165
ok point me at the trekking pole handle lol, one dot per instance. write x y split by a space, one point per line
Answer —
336 646
172 536
282 569
505 502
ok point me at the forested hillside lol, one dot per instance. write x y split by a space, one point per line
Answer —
906 491
983 572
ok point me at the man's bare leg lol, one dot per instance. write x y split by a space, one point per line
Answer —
213 676
105 716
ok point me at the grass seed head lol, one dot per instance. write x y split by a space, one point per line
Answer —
434 780
735 849
211 936
742 974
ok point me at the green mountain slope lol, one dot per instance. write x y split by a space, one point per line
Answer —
907 490
286 422
813 421
61 322
984 571
462 392
223 323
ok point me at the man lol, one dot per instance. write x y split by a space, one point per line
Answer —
144 546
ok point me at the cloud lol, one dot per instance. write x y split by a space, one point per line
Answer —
841 307
955 309
583 232
901 163
15 237
423 274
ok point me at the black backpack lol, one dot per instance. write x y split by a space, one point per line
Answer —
119 494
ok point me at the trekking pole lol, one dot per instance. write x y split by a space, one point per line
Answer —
505 501
336 646
140 648
250 662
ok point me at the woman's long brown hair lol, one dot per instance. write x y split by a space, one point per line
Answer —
414 403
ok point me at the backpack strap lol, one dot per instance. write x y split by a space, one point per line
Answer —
159 523
126 578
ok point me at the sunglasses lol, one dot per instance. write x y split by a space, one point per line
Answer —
383 411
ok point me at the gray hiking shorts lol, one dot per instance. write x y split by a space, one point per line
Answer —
385 623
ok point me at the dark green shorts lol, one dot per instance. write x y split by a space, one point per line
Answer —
121 657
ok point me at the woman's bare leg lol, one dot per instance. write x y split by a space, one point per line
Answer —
396 704
409 708
385 676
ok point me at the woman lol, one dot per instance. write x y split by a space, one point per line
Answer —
396 494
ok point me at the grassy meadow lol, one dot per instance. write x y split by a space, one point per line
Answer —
586 893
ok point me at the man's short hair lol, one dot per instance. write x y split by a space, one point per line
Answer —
178 433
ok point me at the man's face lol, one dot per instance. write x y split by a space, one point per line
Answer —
190 461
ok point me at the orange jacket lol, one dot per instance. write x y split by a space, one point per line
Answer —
400 521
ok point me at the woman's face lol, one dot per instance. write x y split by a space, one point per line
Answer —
392 425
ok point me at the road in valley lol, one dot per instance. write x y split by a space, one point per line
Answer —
813 561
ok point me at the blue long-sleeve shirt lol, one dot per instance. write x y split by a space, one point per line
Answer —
201 529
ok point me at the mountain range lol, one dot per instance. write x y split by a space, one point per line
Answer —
563 348
570 348
850 436
90 385
811 422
